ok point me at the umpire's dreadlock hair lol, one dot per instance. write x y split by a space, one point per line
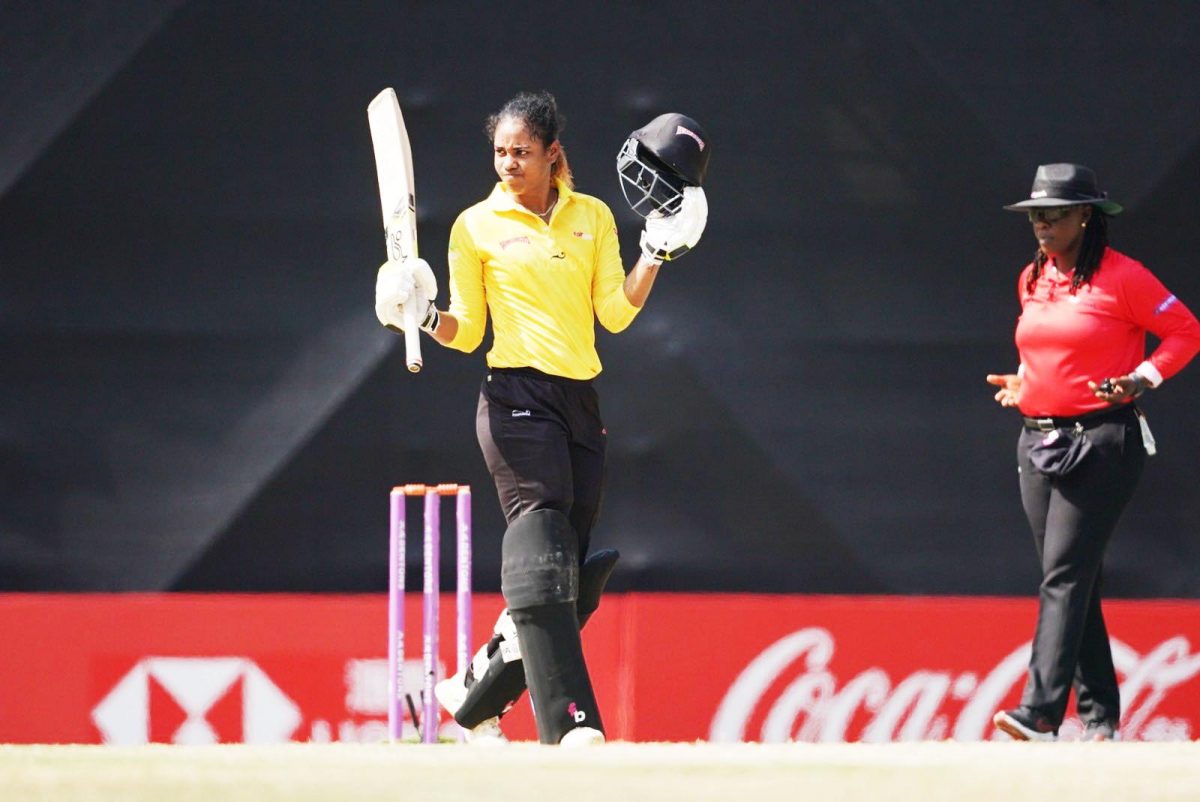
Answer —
539 112
1091 251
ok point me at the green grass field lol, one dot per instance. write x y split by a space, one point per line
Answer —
922 772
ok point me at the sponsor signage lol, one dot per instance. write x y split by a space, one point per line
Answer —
796 668
185 669
195 700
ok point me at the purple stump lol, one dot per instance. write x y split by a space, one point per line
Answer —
396 560
430 718
463 583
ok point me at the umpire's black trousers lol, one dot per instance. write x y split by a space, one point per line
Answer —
544 444
1072 518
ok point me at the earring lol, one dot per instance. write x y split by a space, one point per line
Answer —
1084 224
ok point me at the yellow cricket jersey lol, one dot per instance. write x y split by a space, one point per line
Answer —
544 285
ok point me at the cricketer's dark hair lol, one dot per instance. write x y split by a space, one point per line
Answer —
1091 251
539 112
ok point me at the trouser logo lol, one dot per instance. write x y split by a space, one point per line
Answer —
576 713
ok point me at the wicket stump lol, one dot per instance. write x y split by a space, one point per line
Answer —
431 602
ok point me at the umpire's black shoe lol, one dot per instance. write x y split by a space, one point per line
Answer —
1023 724
1101 731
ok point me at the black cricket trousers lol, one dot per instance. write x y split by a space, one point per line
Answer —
544 444
1072 518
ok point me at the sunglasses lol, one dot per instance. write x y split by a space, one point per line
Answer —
1050 215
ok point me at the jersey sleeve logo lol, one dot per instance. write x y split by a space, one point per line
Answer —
1165 305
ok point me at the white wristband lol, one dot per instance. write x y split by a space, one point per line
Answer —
1150 373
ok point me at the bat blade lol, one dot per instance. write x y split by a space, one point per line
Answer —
397 198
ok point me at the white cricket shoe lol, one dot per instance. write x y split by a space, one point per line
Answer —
582 736
451 693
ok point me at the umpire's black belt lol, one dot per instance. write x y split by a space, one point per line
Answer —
1090 419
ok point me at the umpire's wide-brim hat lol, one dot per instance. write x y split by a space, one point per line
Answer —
1065 185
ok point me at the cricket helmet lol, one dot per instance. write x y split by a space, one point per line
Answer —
659 160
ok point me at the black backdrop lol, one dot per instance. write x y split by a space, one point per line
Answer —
196 394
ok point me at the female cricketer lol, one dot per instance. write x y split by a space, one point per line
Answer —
542 262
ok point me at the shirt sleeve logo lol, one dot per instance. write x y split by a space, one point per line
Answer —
1165 305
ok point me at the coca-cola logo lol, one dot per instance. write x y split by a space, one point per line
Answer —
790 693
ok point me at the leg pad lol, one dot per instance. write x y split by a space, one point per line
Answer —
539 561
495 687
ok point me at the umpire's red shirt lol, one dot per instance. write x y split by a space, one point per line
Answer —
1067 339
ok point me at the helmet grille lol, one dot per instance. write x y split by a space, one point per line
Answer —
651 188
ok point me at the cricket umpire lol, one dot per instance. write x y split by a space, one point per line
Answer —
543 262
1081 337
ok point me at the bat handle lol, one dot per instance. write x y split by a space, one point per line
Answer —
412 339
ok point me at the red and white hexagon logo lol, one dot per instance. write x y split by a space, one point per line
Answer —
196 700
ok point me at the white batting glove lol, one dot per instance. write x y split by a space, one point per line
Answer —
402 282
667 238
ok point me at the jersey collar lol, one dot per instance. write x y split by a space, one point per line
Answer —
501 200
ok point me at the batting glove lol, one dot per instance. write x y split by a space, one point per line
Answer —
401 282
667 238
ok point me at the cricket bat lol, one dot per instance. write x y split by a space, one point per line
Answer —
397 199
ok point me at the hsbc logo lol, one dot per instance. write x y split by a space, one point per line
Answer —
190 700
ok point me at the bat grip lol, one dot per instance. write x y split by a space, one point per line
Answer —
412 338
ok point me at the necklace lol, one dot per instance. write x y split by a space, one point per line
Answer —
546 214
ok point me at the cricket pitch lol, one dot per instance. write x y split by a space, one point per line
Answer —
616 772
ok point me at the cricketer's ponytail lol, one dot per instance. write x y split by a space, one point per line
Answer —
561 171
